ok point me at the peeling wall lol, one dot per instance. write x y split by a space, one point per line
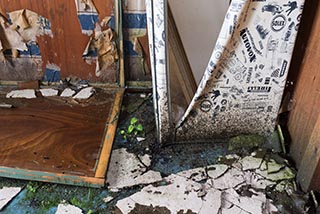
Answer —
63 47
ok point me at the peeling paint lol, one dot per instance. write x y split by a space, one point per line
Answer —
88 15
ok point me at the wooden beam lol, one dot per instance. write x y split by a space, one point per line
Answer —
304 119
105 153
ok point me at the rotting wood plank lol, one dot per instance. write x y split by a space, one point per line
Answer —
304 119
105 152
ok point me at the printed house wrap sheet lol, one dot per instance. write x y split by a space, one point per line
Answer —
242 87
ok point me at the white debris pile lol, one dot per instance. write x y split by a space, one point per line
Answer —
127 169
238 187
7 194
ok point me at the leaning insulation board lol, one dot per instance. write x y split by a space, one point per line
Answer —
242 87
157 32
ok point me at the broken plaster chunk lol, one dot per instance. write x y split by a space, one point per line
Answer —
7 194
25 93
174 197
127 169
271 166
49 92
68 92
255 204
107 199
84 93
67 208
231 178
250 162
197 174
139 139
256 181
215 171
284 174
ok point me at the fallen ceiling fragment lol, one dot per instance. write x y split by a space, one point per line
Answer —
236 187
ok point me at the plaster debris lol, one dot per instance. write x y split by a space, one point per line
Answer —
271 166
7 194
232 178
107 199
5 105
49 92
215 171
139 139
67 208
68 92
25 93
127 169
172 196
84 93
284 174
250 162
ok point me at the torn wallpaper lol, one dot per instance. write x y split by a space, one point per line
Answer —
242 87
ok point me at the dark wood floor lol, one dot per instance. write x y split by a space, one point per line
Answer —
53 135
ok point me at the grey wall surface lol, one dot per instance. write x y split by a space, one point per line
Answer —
199 23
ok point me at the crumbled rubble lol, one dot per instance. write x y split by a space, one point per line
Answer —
7 194
127 169
238 186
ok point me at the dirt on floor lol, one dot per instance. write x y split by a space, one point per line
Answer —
38 197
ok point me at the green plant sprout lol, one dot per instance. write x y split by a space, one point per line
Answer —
134 129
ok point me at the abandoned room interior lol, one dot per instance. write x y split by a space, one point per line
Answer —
159 106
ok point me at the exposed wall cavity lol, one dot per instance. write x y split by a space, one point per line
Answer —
20 57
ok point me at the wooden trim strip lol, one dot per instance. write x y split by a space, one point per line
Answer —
25 174
105 152
118 28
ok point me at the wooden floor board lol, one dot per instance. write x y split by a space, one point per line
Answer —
53 135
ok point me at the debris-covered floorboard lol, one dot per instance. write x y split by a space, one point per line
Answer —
144 178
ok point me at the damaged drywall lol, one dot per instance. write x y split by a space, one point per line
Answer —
242 87
20 53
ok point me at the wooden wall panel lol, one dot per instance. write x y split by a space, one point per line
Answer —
304 120
68 43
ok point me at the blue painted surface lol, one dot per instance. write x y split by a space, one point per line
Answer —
52 75
87 21
33 50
